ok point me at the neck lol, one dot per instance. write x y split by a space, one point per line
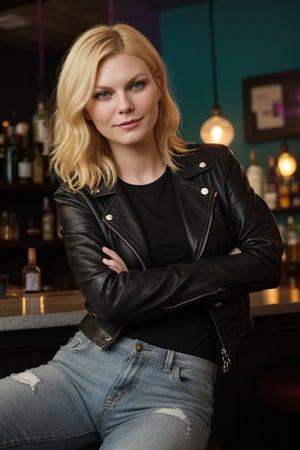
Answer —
139 165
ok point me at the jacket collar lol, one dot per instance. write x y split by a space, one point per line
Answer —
189 164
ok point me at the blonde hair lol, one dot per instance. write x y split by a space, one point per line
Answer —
80 155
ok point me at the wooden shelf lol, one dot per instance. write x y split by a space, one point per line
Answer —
291 209
25 243
27 187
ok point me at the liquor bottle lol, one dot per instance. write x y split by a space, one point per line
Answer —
40 135
24 158
291 240
271 188
2 161
6 231
32 231
295 192
48 221
256 175
38 164
31 273
14 224
4 144
39 130
284 198
12 156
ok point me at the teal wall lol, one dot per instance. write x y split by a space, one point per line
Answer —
253 37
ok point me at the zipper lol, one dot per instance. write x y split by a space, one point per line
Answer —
225 356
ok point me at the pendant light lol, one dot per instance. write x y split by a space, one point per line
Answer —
287 164
216 129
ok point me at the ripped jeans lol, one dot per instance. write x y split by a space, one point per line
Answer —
132 396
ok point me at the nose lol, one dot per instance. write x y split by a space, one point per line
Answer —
125 103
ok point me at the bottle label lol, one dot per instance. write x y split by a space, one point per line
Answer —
24 169
32 282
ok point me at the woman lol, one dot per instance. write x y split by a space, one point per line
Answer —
165 240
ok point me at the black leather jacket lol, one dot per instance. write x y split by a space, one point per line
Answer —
220 211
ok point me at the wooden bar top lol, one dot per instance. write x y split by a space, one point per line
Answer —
64 308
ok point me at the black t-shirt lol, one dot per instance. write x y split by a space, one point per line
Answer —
189 330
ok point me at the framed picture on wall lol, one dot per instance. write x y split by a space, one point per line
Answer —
272 106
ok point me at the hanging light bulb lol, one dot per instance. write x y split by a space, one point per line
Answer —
287 164
216 129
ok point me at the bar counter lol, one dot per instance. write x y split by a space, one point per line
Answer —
34 326
66 308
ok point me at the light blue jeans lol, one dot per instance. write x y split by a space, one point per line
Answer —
133 396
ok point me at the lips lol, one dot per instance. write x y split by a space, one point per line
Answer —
129 124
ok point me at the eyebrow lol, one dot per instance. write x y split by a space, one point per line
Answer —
142 74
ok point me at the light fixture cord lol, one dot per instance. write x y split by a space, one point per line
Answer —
213 50
40 39
111 12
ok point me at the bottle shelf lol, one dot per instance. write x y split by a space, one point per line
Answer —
290 209
25 243
27 187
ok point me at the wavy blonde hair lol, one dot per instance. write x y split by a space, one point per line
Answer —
80 155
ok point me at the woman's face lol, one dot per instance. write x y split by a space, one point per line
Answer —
124 106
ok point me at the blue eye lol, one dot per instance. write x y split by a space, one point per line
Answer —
102 95
137 85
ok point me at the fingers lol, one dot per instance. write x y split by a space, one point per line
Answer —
235 251
114 262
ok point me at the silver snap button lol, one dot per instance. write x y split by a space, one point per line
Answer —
202 164
108 338
204 191
109 217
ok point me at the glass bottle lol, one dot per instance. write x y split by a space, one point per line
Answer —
291 240
24 160
2 159
39 130
3 149
6 230
31 273
48 221
271 188
38 164
12 156
256 175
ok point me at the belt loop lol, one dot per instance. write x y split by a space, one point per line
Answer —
169 361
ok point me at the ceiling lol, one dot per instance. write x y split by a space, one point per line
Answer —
62 19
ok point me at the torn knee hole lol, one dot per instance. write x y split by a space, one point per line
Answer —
28 378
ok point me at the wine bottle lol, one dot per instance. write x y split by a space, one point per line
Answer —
31 273
39 130
2 162
272 184
12 156
37 164
256 175
48 221
24 160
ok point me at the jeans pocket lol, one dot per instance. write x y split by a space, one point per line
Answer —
195 382
78 343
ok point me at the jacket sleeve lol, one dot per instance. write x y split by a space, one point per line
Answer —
141 294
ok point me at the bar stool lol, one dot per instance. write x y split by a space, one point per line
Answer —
278 391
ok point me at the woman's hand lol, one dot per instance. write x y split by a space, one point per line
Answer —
235 251
114 262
